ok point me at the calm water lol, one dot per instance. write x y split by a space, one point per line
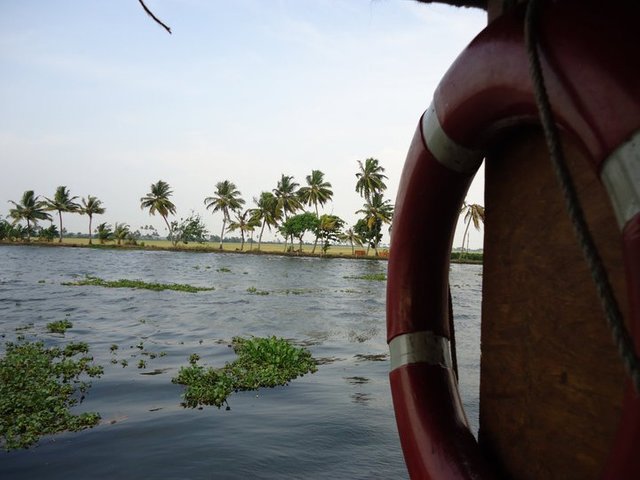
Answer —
336 423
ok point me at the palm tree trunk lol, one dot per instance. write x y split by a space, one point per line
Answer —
260 237
28 231
466 230
224 223
352 249
242 242
90 218
60 216
168 228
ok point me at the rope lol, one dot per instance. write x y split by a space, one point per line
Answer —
610 306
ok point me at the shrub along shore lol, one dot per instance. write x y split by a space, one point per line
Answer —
336 251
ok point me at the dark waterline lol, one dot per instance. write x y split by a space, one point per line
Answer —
336 423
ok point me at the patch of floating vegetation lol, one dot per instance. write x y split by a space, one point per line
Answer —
23 328
328 360
379 357
223 270
137 284
261 362
255 291
60 326
38 386
357 380
378 277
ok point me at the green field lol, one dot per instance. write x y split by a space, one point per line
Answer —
338 251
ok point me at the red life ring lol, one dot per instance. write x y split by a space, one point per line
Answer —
592 74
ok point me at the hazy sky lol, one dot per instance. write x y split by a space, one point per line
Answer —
95 96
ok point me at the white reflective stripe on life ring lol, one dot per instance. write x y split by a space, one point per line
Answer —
420 347
621 177
450 154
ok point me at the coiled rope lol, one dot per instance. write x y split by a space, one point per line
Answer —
613 315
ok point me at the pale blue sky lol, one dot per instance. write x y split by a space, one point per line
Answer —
95 96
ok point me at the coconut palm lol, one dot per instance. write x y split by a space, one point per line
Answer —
376 212
104 232
91 206
286 192
120 232
242 222
353 238
30 209
317 190
287 195
266 213
227 198
157 200
62 202
473 213
370 179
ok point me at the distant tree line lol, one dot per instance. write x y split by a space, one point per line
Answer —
289 209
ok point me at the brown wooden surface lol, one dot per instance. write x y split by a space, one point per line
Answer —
551 380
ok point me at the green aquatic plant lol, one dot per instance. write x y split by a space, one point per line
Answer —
38 386
223 270
378 277
255 291
60 326
137 284
261 362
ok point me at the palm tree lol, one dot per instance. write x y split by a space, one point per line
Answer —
317 190
370 179
62 202
158 201
91 206
242 222
226 199
288 199
377 212
30 209
120 232
353 238
266 212
473 213
104 232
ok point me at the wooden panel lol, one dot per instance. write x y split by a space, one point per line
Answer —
551 380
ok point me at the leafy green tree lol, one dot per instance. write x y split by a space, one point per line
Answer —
121 231
473 213
62 201
226 199
157 200
104 232
298 225
91 206
5 229
266 213
317 190
190 229
376 212
367 235
370 179
30 209
329 230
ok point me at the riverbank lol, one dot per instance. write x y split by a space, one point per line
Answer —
336 251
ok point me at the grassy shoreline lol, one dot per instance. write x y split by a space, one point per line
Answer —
337 251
